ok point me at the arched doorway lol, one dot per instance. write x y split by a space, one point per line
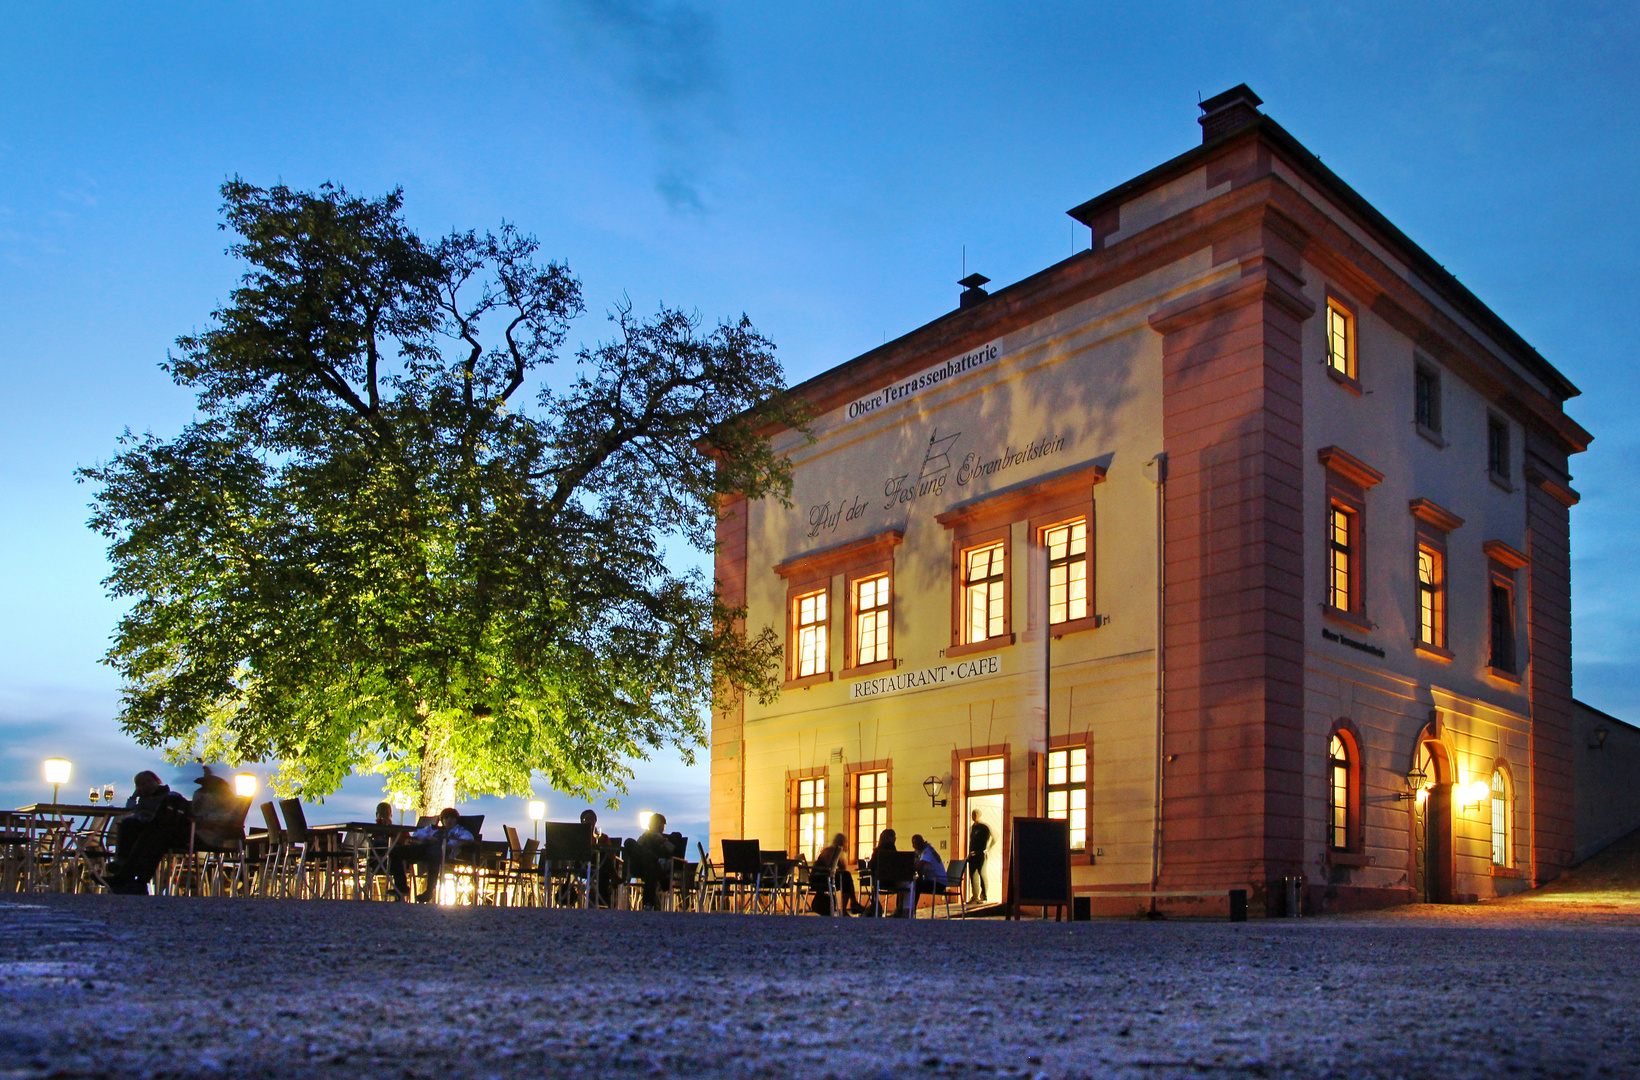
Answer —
1432 865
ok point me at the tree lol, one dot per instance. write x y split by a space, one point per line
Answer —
365 554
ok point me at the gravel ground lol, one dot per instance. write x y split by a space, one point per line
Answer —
140 987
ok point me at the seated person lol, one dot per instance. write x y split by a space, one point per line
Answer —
158 822
884 865
829 865
384 813
429 847
930 868
648 858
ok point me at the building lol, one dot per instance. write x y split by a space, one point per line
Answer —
1240 539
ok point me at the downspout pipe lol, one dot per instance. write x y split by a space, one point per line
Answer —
1156 473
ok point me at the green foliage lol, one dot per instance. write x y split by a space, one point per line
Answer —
364 555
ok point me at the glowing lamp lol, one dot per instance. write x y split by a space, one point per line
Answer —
1477 794
538 810
643 819
244 785
57 771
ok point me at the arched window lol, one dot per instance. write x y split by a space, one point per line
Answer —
1339 787
1503 813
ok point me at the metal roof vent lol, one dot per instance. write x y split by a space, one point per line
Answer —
1223 113
971 292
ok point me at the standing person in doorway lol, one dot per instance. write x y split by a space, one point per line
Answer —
979 842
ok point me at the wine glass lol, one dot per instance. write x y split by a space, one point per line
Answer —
94 793
108 793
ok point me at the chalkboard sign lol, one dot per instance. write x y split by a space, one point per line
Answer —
1041 858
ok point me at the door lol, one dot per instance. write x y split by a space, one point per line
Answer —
985 780
1432 827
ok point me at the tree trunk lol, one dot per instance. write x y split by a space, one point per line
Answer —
438 773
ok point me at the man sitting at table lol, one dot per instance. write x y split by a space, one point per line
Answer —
158 821
429 848
930 868
646 858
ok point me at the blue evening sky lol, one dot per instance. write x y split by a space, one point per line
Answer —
819 166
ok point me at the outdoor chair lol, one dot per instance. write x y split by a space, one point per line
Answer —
567 863
742 874
273 854
313 857
708 886
956 877
900 872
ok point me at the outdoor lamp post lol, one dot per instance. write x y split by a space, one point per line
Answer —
244 785
403 803
57 772
643 819
538 810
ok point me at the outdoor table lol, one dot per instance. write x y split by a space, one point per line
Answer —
375 859
53 822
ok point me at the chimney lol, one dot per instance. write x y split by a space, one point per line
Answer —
971 292
1223 113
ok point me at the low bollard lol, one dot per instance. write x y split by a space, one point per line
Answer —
1238 905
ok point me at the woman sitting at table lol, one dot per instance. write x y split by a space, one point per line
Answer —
828 865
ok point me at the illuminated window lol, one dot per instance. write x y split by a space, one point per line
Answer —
1068 791
870 810
871 597
1503 625
1338 811
985 776
1431 597
1503 840
1340 339
809 615
811 816
983 592
1067 546
1341 568
1497 447
1426 399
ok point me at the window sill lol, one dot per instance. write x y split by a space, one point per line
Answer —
1349 858
1507 871
1432 652
868 669
1430 435
1348 618
998 642
807 681
1502 482
1076 626
1353 385
1501 675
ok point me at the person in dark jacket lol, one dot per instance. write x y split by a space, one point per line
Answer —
979 842
158 822
647 858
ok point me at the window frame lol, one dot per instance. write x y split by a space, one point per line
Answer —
1348 479
959 806
817 570
794 671
1353 850
1433 527
1425 371
1067 744
997 539
1503 561
1500 770
794 784
1349 376
988 518
1500 450
851 779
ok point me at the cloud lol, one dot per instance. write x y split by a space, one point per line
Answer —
664 52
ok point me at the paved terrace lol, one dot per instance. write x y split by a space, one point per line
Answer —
1546 984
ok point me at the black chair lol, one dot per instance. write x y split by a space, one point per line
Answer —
567 856
891 873
742 871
